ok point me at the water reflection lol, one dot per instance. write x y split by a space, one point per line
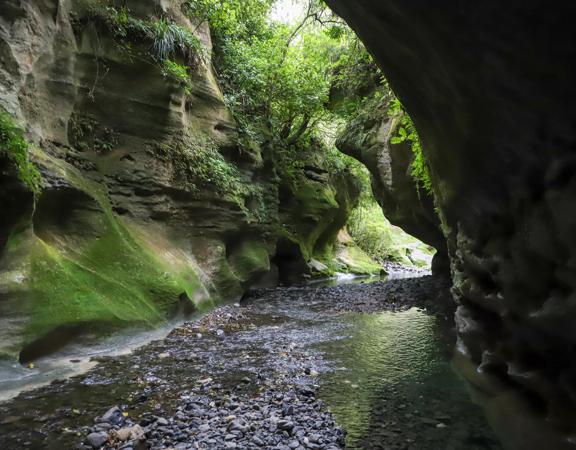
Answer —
393 386
345 278
386 377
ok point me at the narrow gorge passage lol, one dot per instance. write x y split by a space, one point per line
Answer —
266 374
162 160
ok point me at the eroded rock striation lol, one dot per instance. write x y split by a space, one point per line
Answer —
150 203
489 86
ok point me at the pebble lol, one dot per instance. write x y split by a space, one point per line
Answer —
270 407
97 440
135 433
113 416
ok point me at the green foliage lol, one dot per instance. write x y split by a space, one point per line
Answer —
407 133
357 78
276 77
290 164
88 134
177 72
167 40
370 230
381 240
237 19
285 87
13 144
200 166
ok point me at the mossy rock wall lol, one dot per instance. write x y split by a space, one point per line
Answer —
76 262
315 203
150 206
145 186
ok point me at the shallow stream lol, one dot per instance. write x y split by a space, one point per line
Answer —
386 376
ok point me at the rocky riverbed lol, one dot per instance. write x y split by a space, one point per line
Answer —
266 374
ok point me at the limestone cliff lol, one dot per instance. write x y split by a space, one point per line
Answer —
150 205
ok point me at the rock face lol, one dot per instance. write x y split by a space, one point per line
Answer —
405 204
150 206
316 200
490 88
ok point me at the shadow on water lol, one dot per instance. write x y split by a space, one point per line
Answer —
393 386
385 376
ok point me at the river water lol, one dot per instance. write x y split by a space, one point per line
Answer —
386 376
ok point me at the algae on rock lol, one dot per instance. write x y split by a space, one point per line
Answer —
121 233
152 202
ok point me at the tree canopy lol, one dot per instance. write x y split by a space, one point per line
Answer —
278 78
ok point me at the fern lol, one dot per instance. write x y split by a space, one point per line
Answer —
169 37
407 133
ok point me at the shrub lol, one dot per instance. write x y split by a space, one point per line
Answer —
169 38
199 165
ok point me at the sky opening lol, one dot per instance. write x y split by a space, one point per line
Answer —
288 11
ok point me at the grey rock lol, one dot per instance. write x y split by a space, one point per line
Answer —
97 440
113 416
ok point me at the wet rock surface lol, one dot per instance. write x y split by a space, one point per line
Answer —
501 160
257 376
426 292
129 190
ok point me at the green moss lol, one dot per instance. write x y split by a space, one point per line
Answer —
13 144
109 279
248 259
110 273
357 261
178 73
